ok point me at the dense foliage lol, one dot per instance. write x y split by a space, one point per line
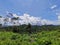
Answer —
30 35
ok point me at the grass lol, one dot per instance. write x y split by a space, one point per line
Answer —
40 38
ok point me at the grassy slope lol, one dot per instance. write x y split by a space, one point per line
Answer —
41 38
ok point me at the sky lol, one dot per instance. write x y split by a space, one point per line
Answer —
46 9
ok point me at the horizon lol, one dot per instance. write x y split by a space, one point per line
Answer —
14 19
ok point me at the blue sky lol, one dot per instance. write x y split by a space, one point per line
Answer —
38 8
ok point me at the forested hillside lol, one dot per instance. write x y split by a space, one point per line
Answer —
30 35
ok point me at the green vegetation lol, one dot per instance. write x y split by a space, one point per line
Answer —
30 35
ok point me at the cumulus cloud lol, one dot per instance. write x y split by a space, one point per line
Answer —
58 17
26 18
46 22
53 6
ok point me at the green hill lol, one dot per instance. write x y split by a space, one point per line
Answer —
30 35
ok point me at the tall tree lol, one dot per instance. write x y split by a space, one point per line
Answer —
29 28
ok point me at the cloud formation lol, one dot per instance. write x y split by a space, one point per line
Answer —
26 18
53 6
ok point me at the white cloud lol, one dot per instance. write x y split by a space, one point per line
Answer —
53 6
26 18
46 22
58 19
58 16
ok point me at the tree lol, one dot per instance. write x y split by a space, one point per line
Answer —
0 25
29 28
15 29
